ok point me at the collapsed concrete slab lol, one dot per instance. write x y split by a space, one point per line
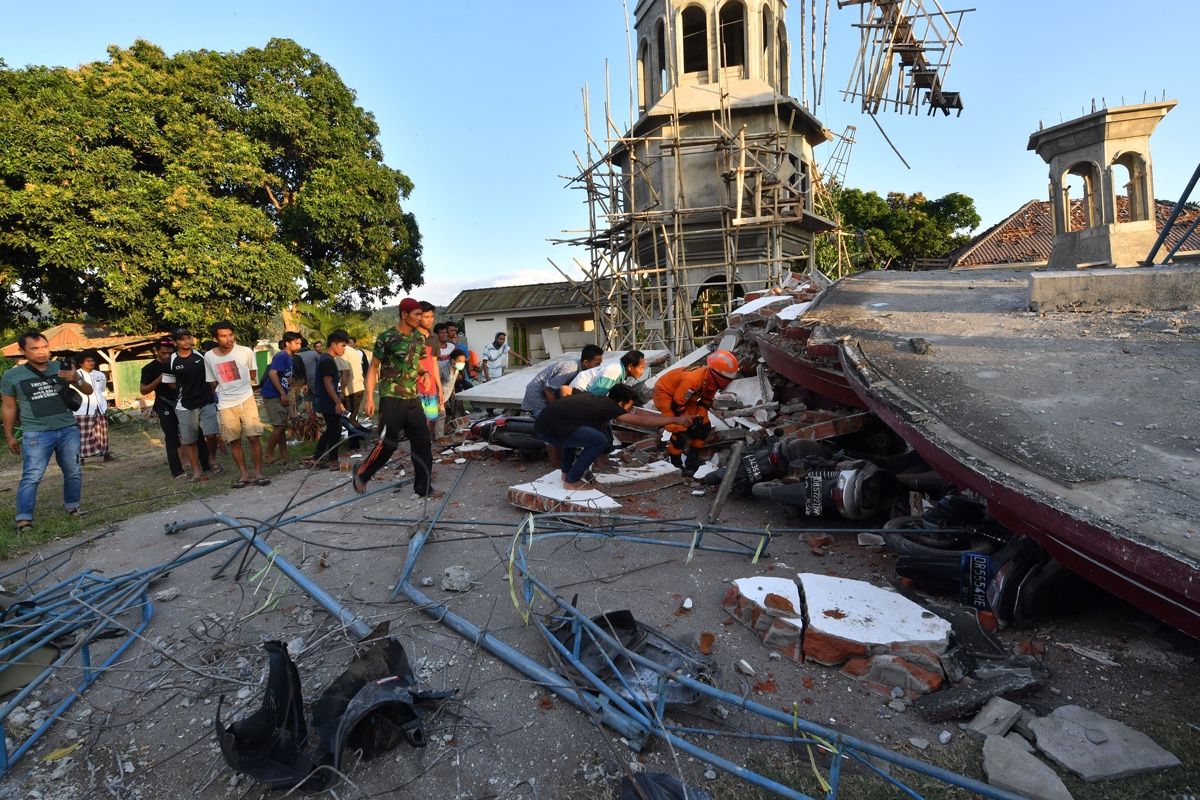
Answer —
846 618
547 493
1097 748
1013 769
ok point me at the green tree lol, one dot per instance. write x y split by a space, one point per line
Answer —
317 322
148 190
893 232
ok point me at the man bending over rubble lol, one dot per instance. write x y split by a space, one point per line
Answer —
581 422
690 390
599 379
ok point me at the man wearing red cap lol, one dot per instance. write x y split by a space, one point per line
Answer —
688 391
395 369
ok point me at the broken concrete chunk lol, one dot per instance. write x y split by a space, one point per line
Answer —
547 493
996 718
628 480
870 540
1068 736
771 608
961 701
456 579
847 618
1020 741
887 673
166 595
1009 767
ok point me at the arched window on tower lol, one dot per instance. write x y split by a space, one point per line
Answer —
1129 181
1081 184
781 50
732 29
643 89
695 39
660 59
768 39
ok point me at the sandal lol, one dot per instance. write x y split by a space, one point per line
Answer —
24 525
240 484
262 481
358 483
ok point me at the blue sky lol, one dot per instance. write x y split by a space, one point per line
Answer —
480 103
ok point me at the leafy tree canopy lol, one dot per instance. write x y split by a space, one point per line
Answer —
149 190
317 322
895 231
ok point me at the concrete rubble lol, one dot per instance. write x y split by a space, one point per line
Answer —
994 719
878 637
1008 766
1097 748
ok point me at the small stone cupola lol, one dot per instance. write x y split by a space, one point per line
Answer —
1108 152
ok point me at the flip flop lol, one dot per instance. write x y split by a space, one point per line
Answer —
262 481
24 525
240 484
358 483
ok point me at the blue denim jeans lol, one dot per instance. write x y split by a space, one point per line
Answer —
591 444
36 449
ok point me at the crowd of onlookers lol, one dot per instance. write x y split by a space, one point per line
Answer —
205 402
204 398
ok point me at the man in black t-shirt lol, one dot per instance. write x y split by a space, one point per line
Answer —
159 380
582 421
196 407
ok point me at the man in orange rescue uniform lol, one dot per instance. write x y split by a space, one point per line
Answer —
689 391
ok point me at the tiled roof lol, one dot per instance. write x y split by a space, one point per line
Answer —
513 298
71 337
1027 236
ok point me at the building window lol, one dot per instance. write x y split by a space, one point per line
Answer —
1129 181
781 50
642 87
768 38
1080 185
695 39
660 57
732 27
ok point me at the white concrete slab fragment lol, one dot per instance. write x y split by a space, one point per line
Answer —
551 342
756 590
759 303
697 355
748 391
550 487
862 612
625 474
793 311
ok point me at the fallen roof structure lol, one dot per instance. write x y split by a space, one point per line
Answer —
1078 429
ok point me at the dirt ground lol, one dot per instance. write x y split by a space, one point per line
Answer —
145 730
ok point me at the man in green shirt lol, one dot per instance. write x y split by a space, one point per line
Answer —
395 370
48 425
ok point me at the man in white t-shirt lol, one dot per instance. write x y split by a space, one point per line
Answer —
495 357
232 372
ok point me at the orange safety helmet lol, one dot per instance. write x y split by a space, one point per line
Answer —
724 364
